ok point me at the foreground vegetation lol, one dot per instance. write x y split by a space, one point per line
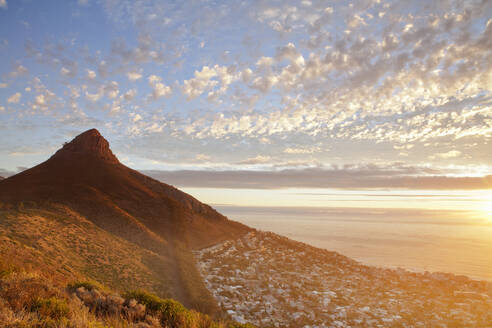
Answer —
65 246
30 300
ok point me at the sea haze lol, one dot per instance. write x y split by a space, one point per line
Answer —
417 239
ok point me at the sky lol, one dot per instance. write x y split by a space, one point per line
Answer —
221 96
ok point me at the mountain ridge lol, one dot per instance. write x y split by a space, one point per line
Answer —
85 178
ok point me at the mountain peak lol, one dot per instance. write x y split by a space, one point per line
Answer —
89 144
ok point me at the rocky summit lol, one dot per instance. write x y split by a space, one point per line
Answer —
88 144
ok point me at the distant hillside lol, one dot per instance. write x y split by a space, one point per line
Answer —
84 214
272 281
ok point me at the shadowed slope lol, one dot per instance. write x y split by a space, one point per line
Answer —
87 178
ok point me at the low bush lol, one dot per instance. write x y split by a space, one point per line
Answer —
53 308
172 313
89 285
27 300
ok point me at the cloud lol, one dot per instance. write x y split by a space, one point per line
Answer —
379 84
370 79
303 150
256 160
339 178
40 100
216 80
449 154
15 98
130 94
3 85
159 89
44 100
110 89
69 72
91 75
202 81
93 97
19 70
147 50
3 4
134 76
136 118
202 157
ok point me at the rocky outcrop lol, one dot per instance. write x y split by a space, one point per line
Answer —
88 144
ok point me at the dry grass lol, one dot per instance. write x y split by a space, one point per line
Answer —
63 245
29 300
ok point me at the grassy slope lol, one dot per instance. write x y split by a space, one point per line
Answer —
66 244
63 245
30 300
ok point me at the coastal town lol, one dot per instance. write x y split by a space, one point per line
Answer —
271 281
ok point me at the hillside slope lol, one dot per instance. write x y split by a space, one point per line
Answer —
30 300
84 184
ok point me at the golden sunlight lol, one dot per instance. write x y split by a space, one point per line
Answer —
487 205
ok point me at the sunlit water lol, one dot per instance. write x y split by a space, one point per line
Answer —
449 241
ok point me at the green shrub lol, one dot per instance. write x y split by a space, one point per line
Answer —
152 302
176 315
172 313
53 308
89 285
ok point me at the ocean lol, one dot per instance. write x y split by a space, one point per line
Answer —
453 241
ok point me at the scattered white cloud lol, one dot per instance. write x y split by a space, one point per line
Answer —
260 159
159 89
65 71
44 100
447 155
19 70
134 76
40 100
365 73
302 150
91 75
202 81
111 89
136 118
130 94
202 158
15 98
93 97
